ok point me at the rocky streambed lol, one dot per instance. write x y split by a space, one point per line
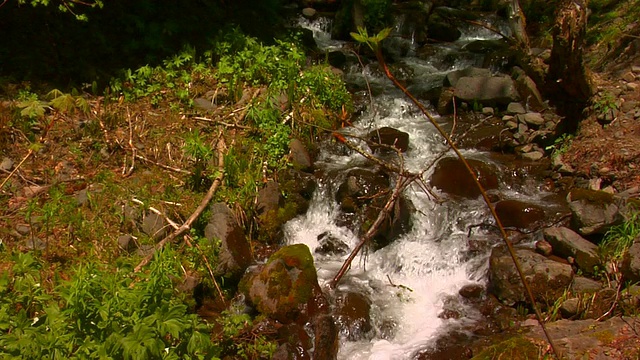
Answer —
437 281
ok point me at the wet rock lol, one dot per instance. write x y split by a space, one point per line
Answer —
269 197
390 137
533 155
353 315
487 111
567 243
281 288
297 343
300 158
593 212
330 245
548 279
471 291
485 46
583 285
452 77
453 178
155 226
445 101
544 248
326 338
452 346
496 90
398 223
519 214
337 59
441 30
359 185
235 251
631 262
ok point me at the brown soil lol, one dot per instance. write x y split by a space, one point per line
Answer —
610 149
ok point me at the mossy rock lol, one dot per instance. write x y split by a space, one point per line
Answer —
516 348
282 287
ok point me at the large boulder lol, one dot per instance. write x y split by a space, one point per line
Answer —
487 90
235 251
441 30
281 288
452 177
547 278
299 155
519 214
593 212
565 242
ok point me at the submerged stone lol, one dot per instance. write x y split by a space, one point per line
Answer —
452 177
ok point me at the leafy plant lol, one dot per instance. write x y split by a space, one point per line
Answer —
620 237
604 104
560 145
201 153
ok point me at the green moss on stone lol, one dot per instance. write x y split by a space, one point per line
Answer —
592 196
515 348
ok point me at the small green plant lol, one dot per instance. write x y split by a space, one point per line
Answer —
604 104
560 145
620 237
201 153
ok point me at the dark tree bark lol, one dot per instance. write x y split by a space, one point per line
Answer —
568 78
518 25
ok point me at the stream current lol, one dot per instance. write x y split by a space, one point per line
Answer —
408 281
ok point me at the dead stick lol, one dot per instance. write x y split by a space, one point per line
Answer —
382 216
187 224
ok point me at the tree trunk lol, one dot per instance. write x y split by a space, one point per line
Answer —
518 25
568 78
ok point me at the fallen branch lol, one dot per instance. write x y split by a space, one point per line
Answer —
166 167
401 184
187 224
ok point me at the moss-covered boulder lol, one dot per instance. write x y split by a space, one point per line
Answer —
283 286
593 212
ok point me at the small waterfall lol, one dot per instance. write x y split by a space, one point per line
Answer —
407 281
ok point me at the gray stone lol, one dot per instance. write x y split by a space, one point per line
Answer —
566 242
515 108
631 262
511 125
583 285
269 198
82 197
636 69
593 212
533 155
496 90
235 250
34 243
23 229
570 308
532 119
155 226
204 104
300 157
632 86
628 77
522 129
547 278
126 243
6 164
487 110
528 90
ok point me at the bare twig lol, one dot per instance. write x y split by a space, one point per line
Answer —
222 123
182 171
401 184
187 224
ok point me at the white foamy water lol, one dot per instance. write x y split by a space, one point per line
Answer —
408 280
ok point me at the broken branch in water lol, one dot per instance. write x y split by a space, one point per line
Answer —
401 184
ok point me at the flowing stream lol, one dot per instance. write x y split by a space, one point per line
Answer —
409 280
